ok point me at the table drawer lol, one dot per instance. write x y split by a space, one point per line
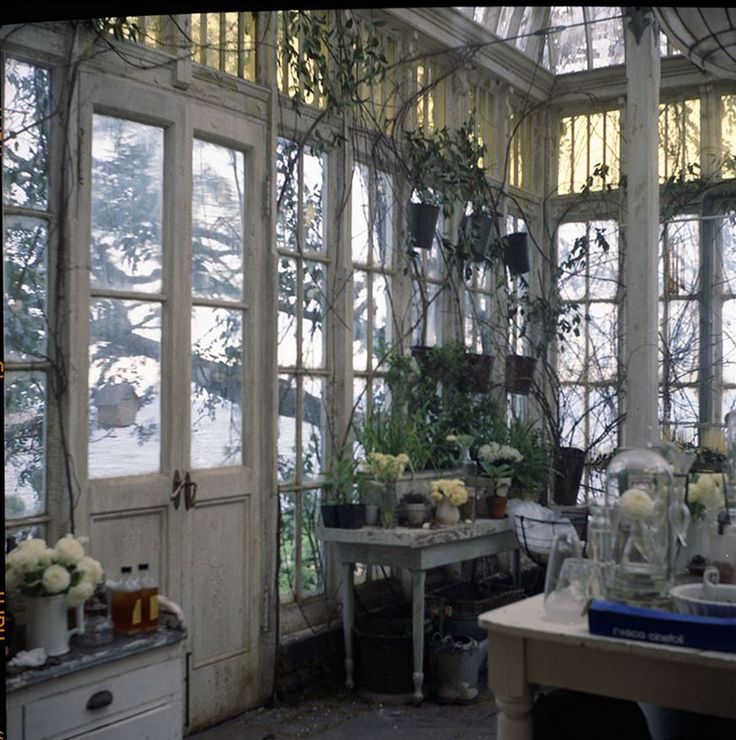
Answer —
110 698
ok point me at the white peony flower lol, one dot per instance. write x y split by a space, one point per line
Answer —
636 504
12 579
22 559
706 491
32 545
91 570
80 593
70 549
56 579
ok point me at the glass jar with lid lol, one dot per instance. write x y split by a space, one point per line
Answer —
643 510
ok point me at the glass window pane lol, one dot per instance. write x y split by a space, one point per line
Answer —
359 214
571 361
360 320
602 341
25 444
313 201
287 428
287 545
572 415
217 387
26 122
313 315
606 36
127 197
382 314
312 548
287 194
25 286
313 427
218 182
383 220
569 44
603 259
729 342
287 340
571 239
124 387
683 345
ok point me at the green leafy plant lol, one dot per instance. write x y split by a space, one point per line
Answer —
339 481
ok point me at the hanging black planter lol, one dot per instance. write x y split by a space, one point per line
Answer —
479 369
516 252
421 223
519 373
569 467
475 236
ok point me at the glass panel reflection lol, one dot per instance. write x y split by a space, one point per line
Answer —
127 197
25 287
218 182
124 387
217 387
25 444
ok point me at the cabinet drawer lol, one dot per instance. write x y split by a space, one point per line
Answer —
65 713
161 723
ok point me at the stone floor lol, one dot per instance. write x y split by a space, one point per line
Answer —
342 716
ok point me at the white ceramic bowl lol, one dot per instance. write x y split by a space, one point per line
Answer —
689 600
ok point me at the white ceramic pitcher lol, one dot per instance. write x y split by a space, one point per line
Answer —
46 623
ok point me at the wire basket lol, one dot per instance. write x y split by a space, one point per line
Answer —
536 535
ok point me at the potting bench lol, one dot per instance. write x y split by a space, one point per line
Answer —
416 550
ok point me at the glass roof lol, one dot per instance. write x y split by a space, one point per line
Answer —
577 37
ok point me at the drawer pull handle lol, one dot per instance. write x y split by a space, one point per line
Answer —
99 700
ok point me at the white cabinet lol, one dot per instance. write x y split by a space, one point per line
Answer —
120 696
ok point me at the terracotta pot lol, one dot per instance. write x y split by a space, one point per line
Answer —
421 223
497 506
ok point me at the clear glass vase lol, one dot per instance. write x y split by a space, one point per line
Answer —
643 509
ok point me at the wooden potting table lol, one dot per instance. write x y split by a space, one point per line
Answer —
525 650
416 550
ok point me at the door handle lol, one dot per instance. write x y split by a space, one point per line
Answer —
190 491
176 488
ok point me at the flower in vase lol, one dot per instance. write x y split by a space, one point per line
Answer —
451 490
636 504
35 569
705 494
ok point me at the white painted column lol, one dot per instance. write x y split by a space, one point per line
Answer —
640 235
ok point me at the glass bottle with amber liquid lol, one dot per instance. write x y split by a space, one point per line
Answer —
149 598
127 612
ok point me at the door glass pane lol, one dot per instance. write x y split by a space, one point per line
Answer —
359 215
217 387
127 197
287 194
25 444
26 146
287 546
25 285
312 547
381 316
124 387
360 320
218 181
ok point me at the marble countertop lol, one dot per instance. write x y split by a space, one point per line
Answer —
79 658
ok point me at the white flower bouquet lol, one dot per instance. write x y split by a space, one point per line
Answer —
452 491
36 569
705 494
497 460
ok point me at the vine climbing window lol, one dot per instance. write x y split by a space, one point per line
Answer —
301 240
28 227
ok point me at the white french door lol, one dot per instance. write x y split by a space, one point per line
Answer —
172 200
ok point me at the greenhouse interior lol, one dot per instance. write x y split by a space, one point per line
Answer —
390 391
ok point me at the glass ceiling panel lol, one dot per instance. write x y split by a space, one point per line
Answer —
580 37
